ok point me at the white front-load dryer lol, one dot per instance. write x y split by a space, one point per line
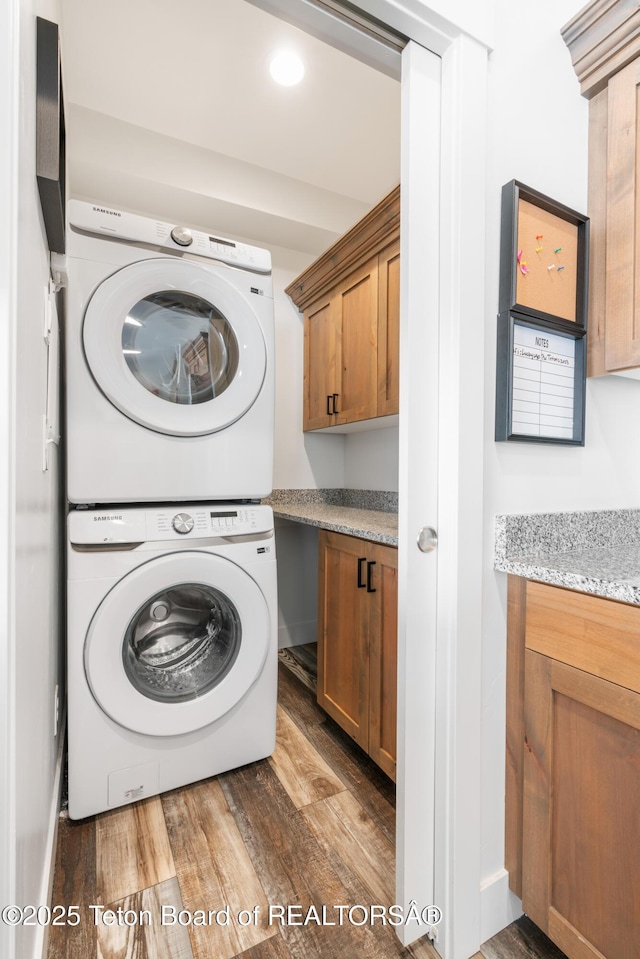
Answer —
169 362
171 648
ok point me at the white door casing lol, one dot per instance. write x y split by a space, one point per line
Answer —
9 229
418 482
442 269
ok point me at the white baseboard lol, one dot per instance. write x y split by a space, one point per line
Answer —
498 905
42 936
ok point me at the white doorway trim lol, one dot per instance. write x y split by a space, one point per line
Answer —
9 113
418 483
439 768
441 455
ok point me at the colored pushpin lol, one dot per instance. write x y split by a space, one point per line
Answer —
539 236
552 267
560 268
524 269
558 250
538 249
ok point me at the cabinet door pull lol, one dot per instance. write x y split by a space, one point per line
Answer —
361 582
330 404
370 564
335 402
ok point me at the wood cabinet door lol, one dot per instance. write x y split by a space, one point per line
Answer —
622 300
389 329
356 305
320 364
343 633
383 657
581 855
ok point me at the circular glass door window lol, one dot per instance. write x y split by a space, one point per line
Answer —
176 347
181 643
177 642
180 347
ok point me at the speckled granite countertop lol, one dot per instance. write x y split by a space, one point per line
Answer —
368 514
595 552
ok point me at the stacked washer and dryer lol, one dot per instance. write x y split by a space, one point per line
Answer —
172 632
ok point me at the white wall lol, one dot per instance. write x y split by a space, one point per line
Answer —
297 546
30 635
371 460
301 460
538 135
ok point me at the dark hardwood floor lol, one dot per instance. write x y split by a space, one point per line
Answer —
521 940
312 826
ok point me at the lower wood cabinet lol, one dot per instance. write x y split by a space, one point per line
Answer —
357 641
579 775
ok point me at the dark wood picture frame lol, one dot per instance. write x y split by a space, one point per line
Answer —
50 133
544 256
510 405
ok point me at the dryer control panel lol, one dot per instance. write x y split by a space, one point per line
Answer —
176 522
108 221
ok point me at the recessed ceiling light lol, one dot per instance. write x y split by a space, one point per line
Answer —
286 68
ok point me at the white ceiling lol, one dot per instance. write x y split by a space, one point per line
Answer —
169 102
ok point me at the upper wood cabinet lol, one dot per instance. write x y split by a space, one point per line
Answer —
604 41
350 298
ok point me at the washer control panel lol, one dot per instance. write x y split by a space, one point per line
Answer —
199 521
227 520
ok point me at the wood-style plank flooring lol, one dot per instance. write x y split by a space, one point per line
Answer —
312 825
521 940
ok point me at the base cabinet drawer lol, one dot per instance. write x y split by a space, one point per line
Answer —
357 641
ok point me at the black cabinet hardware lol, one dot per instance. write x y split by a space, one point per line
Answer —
361 582
335 402
370 564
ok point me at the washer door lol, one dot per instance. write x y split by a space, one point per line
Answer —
177 643
174 346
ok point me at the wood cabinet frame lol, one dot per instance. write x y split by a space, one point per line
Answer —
351 362
357 641
571 851
573 766
604 42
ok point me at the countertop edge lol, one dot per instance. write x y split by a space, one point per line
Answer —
338 524
607 589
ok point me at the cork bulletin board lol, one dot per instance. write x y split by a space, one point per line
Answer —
547 268
541 357
543 256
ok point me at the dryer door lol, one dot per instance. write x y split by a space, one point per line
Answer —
177 643
174 346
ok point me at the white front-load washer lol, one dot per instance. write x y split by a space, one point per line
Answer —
169 362
171 648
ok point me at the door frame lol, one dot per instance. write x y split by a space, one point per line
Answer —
438 847
9 231
439 675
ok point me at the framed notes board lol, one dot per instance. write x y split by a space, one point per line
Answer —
541 362
540 387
